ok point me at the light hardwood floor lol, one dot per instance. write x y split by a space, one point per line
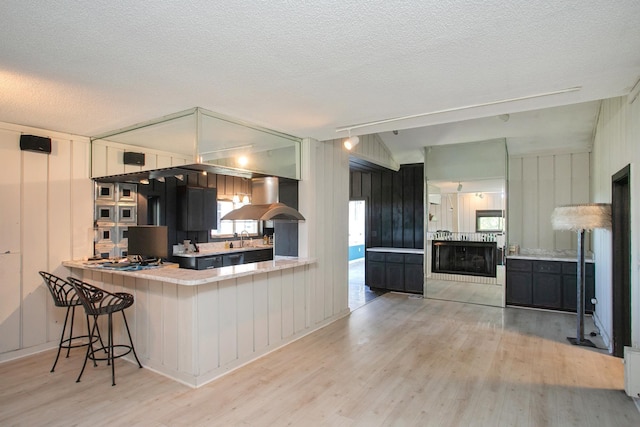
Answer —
398 360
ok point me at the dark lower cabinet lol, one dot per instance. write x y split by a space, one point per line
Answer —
519 276
232 259
375 273
258 255
547 290
206 262
519 288
395 271
547 284
200 263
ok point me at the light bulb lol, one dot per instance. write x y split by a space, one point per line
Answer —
351 142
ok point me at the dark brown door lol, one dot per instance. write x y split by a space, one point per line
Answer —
621 275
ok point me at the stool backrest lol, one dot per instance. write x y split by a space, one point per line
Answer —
88 295
62 291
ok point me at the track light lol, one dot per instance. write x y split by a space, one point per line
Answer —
351 142
459 186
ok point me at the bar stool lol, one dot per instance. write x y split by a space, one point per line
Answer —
65 296
108 304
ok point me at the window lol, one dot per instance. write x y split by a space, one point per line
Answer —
228 228
489 221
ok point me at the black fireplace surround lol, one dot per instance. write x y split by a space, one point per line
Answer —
464 257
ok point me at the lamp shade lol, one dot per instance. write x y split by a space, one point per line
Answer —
582 217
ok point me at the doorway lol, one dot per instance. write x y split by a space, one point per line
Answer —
357 225
621 259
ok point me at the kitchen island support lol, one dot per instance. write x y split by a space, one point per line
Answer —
196 333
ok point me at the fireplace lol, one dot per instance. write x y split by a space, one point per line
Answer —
463 257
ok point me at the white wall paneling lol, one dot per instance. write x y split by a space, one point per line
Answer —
616 144
48 218
372 149
107 158
537 184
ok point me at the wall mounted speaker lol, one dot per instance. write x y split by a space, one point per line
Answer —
38 144
132 158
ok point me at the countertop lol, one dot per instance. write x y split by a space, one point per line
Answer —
187 277
550 255
397 250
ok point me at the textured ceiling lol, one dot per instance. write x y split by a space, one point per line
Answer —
307 68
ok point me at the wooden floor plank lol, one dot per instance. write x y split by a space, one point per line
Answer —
395 361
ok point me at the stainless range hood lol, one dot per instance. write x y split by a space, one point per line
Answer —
265 205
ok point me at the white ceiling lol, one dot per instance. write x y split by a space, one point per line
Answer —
307 68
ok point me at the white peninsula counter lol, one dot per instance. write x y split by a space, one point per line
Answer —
196 325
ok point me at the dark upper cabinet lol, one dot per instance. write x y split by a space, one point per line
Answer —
197 208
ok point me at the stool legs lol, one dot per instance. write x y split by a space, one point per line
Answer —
109 348
64 328
68 342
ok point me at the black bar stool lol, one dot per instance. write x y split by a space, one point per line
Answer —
108 304
65 296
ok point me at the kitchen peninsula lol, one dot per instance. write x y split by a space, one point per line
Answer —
196 325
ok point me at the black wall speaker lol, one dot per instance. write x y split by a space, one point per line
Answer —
38 144
131 158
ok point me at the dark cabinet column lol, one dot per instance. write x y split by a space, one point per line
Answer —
197 208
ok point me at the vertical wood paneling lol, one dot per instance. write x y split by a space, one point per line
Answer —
170 331
81 201
154 302
187 360
300 306
10 223
615 146
261 311
275 308
208 319
142 328
245 315
515 199
163 161
10 302
319 250
115 164
580 178
35 244
562 187
228 321
287 303
530 213
98 163
340 235
546 201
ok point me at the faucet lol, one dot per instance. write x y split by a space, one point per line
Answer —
241 234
